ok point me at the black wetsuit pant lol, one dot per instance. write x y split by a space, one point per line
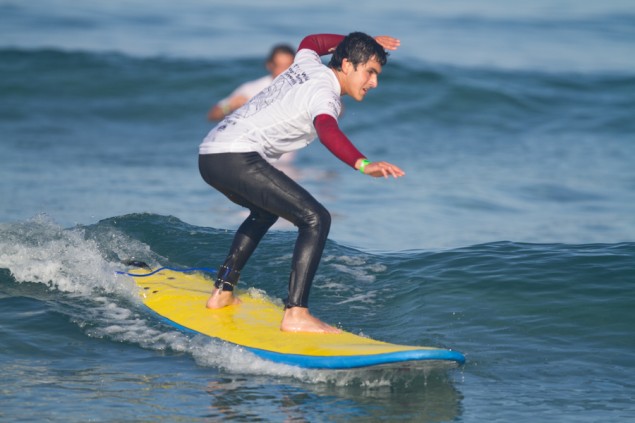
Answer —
250 181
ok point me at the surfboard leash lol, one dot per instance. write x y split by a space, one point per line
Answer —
143 265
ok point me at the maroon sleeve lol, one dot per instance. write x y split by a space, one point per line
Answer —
322 44
334 139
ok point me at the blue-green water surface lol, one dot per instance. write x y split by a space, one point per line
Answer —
511 238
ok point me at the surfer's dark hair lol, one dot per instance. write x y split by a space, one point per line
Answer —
358 48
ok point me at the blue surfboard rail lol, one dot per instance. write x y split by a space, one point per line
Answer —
337 362
356 361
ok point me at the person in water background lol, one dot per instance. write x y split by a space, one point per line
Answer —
303 103
279 59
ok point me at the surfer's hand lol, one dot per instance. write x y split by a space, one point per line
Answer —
385 169
388 42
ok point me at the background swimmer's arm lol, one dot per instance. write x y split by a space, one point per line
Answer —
225 107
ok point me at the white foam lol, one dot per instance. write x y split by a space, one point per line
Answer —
365 298
40 251
358 267
237 360
82 266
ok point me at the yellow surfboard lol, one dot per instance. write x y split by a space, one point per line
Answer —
179 298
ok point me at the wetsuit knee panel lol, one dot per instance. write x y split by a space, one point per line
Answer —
318 217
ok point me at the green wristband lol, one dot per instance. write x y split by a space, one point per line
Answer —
363 165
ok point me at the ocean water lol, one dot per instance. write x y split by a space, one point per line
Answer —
511 238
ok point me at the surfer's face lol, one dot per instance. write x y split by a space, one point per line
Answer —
359 80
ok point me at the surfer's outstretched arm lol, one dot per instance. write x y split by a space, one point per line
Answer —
324 44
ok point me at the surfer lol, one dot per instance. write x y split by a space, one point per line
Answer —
279 60
302 103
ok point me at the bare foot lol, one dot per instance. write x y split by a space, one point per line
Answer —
298 319
220 299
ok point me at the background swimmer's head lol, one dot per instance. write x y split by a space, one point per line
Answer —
279 59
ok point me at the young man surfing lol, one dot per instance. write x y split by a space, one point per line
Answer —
302 103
